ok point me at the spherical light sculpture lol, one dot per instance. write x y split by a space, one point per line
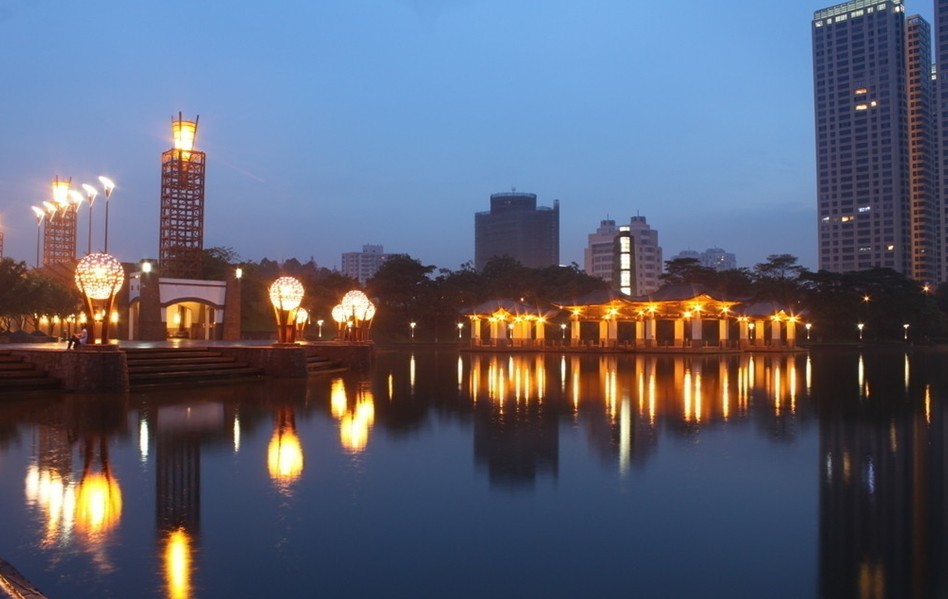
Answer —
357 306
286 293
99 277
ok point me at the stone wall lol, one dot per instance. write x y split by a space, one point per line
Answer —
89 368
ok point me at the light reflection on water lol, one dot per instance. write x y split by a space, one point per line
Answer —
815 471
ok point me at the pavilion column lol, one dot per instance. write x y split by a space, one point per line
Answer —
791 333
679 332
775 333
759 333
574 336
639 333
608 332
722 331
540 328
650 328
495 330
696 330
743 333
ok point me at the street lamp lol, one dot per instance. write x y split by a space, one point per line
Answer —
860 326
286 294
108 186
563 330
808 327
412 325
91 194
319 323
99 277
905 328
460 327
751 327
40 215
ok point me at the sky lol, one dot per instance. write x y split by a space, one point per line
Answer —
337 123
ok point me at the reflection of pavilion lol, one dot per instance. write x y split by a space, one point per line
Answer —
678 317
516 434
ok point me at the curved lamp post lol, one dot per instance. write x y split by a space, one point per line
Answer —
99 277
286 293
40 216
108 186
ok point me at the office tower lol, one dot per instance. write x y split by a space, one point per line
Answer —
600 254
181 234
517 228
873 178
363 265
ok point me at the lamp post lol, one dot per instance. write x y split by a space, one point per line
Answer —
411 325
108 186
860 326
286 294
91 194
563 330
99 277
460 327
750 327
319 324
808 327
905 328
40 215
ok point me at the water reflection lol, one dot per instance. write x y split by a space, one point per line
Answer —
870 430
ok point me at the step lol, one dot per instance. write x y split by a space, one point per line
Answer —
196 375
184 367
181 361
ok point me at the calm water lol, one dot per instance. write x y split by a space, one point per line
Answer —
439 475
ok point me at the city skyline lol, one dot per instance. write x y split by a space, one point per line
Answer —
335 126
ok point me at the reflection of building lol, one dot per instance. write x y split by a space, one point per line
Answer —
516 436
517 228
363 265
882 473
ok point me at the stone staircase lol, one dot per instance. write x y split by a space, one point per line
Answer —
153 367
16 374
321 365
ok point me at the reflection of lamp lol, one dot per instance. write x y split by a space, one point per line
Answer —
99 277
178 564
286 293
99 497
285 453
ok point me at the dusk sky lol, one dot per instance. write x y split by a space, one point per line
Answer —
333 124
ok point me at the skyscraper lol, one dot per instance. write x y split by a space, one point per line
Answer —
874 142
940 107
517 228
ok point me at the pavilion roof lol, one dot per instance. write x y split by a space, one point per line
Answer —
508 307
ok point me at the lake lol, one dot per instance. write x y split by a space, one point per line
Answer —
439 474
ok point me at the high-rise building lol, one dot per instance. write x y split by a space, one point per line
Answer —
363 265
601 259
517 228
940 108
715 258
874 141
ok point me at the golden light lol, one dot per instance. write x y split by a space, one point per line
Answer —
285 456
98 504
286 293
338 314
146 267
99 276
302 316
39 212
75 198
184 132
61 191
178 564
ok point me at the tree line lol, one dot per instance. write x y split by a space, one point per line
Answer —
405 290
